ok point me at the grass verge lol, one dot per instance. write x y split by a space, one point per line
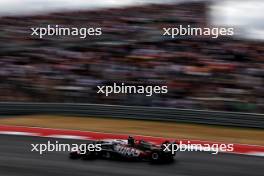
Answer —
139 127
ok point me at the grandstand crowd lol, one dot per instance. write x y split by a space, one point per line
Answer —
224 74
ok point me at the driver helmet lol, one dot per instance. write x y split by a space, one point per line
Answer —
131 140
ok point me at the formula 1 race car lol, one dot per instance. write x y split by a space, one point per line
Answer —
129 150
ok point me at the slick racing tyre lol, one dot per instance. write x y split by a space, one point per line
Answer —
107 155
155 156
90 155
74 155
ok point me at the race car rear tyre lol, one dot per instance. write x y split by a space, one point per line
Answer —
155 156
74 155
90 155
107 155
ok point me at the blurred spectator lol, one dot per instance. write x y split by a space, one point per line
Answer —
202 73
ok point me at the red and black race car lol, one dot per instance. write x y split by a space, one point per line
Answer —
131 150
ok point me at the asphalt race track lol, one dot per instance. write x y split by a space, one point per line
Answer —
16 159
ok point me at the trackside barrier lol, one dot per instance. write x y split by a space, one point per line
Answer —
141 113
